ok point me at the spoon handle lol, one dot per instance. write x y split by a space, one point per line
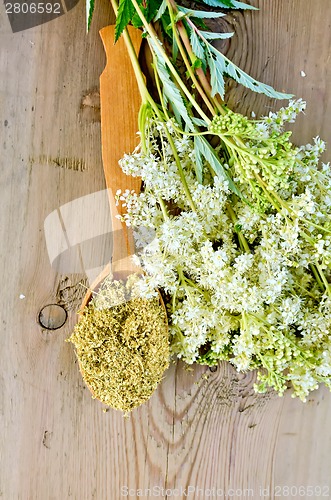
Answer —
120 103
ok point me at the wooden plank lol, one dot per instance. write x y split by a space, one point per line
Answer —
200 429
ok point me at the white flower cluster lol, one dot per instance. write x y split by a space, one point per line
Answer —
243 282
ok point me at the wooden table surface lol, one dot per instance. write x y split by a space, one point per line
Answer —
201 429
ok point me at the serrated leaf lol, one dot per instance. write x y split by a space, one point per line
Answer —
161 10
226 5
217 69
240 5
210 35
200 24
203 148
152 9
171 92
89 13
197 46
225 66
166 24
200 14
149 12
136 21
179 16
125 13
199 122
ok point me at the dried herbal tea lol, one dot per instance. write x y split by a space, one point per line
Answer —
122 345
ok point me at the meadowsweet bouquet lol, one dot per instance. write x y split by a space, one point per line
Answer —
233 223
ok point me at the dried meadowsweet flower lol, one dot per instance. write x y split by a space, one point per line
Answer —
122 345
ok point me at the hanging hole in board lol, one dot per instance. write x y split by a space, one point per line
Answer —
52 316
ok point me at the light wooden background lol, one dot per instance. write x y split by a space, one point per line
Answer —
200 429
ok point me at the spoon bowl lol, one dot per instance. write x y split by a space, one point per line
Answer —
145 353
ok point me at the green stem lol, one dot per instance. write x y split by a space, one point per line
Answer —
180 171
266 192
145 96
163 208
202 77
183 35
325 281
171 67
242 239
317 226
305 290
317 276
207 87
142 122
159 90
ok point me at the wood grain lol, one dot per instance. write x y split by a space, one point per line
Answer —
200 429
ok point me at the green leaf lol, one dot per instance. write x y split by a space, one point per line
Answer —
143 115
161 10
166 24
200 24
149 11
217 70
179 16
210 35
136 21
225 4
197 46
153 7
199 122
203 148
198 63
200 14
89 13
239 5
174 48
225 66
125 13
170 90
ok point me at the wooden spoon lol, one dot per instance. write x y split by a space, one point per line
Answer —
120 103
